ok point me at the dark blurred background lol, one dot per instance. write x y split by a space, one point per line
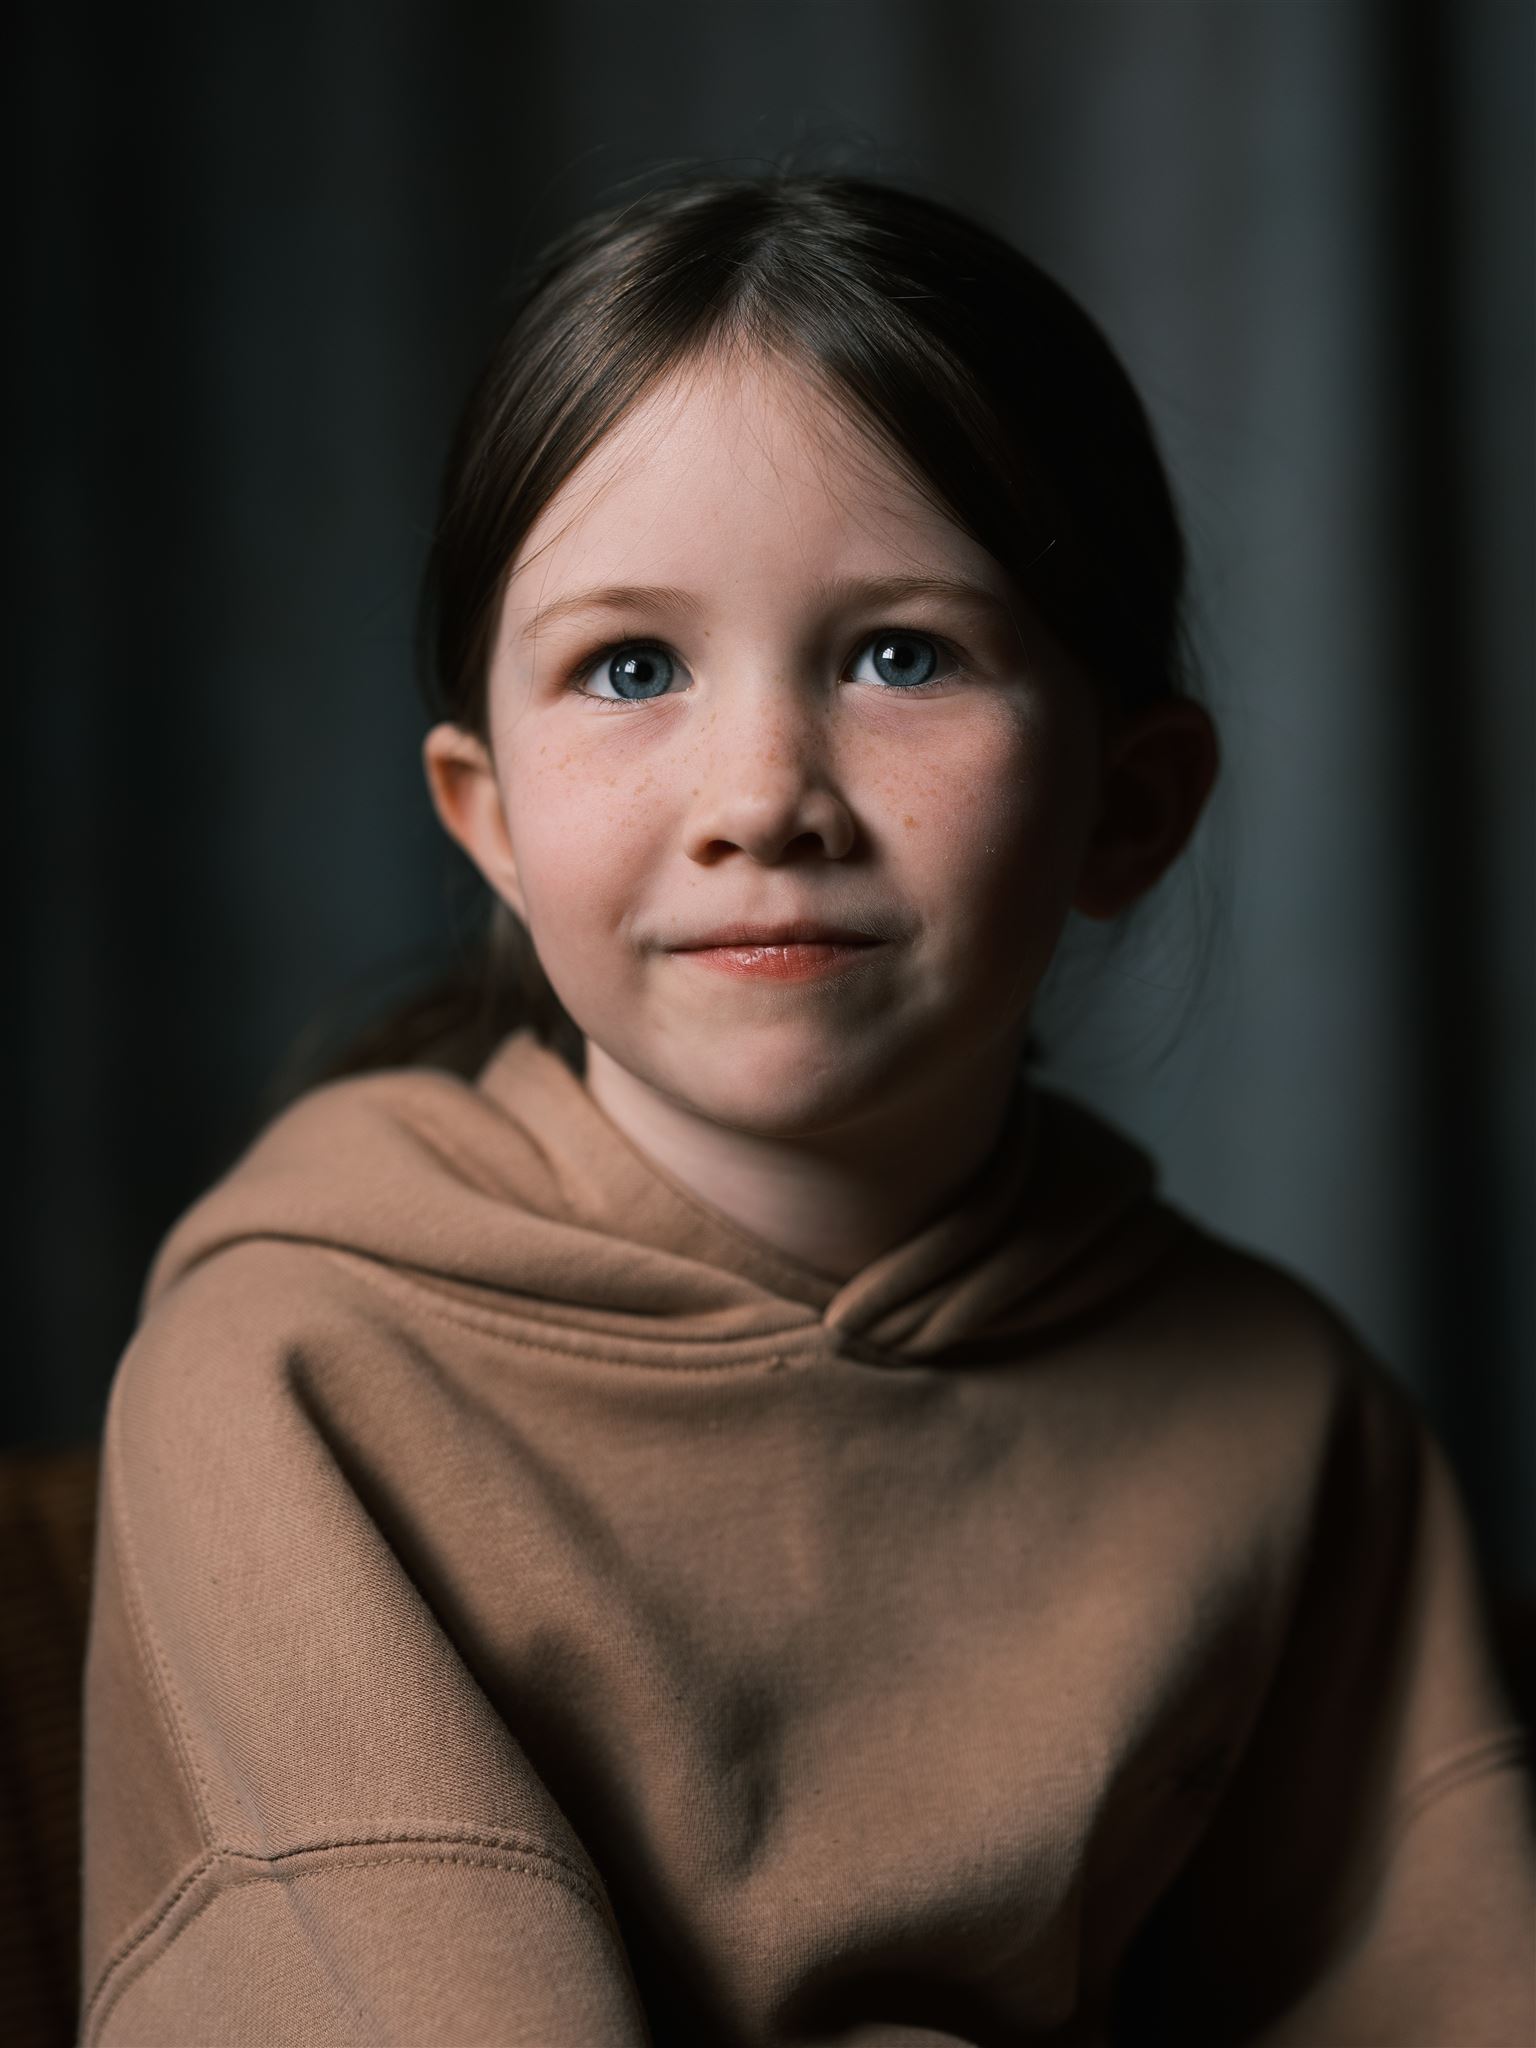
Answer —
259 254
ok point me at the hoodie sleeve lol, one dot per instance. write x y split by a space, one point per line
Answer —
303 1821
1371 1875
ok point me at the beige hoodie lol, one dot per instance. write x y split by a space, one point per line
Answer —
530 1609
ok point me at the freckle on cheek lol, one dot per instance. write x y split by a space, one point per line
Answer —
910 823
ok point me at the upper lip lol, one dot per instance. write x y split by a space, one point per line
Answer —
799 931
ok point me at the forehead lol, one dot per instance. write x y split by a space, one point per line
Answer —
729 463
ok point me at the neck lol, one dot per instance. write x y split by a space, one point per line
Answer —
833 1204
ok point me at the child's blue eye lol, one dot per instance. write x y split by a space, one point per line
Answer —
904 660
637 671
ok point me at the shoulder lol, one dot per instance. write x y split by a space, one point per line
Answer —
1262 1364
1263 1316
1259 1303
348 1162
221 1373
1179 1307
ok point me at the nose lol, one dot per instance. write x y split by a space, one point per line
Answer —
766 782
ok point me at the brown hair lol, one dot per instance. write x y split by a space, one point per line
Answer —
996 392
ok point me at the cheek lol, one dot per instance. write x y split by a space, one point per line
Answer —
576 832
1008 812
550 842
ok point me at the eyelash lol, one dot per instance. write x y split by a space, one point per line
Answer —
584 667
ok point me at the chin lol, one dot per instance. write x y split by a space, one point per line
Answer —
769 1092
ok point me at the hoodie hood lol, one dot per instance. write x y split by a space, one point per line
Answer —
517 1192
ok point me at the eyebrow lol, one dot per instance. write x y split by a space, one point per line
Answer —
622 597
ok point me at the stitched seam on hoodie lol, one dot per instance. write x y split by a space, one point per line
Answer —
811 1337
1501 1749
155 1664
527 1857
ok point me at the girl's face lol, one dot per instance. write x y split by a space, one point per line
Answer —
740 559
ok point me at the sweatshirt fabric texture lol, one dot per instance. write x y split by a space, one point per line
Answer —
530 1609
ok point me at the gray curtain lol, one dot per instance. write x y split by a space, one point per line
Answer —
259 253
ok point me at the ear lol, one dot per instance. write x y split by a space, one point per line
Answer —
461 777
1157 770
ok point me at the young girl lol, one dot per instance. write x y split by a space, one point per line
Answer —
699 1503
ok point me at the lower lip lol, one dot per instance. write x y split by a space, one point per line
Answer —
779 963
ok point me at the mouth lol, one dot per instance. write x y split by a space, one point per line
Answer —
796 960
802 933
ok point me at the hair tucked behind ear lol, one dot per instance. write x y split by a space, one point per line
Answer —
985 380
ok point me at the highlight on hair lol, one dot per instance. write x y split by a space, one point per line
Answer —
988 384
